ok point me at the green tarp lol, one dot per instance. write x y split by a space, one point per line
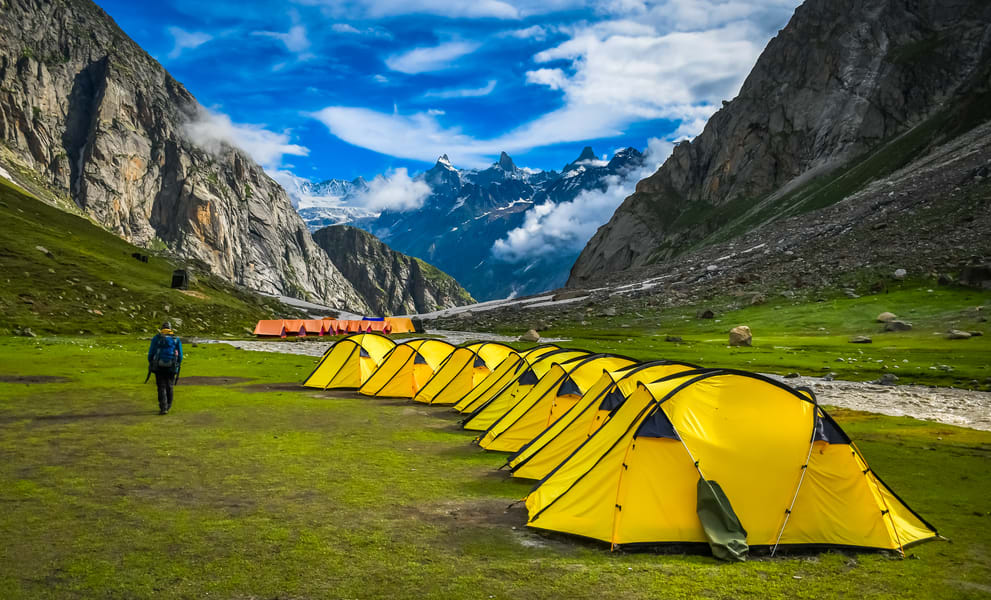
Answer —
727 537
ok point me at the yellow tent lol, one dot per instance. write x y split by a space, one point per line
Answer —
786 474
500 377
464 369
528 375
546 451
349 362
559 390
407 368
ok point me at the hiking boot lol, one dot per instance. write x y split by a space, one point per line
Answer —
163 412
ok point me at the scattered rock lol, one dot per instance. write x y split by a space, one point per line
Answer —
829 376
978 276
956 334
886 317
673 338
530 336
886 379
608 312
26 332
975 333
740 336
43 250
89 289
788 294
705 313
897 325
900 274
861 339
792 375
757 299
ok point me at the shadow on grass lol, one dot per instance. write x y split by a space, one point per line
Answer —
78 417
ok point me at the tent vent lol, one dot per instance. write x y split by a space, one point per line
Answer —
613 400
828 431
568 386
419 360
528 378
364 353
657 425
479 362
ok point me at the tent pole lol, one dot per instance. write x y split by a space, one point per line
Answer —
887 509
805 469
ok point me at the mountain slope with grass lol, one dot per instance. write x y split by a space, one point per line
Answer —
89 119
849 93
62 273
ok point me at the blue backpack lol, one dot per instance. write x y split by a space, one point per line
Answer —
167 353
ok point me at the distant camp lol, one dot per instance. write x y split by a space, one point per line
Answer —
319 327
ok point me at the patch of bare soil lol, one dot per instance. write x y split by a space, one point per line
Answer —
494 513
195 294
289 386
208 380
28 379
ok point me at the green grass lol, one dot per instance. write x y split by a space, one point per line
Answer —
88 282
807 334
299 494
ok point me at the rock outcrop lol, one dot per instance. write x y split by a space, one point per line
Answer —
393 282
87 114
850 91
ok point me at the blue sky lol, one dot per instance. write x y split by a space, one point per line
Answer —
337 88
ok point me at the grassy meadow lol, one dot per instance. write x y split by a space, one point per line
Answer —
805 335
255 488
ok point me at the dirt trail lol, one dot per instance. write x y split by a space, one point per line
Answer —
964 408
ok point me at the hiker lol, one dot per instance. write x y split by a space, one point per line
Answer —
164 360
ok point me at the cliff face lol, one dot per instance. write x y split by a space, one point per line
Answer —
394 282
88 112
849 91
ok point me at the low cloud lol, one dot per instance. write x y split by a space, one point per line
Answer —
432 58
215 133
395 191
186 40
552 229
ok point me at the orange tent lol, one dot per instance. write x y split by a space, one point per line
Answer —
376 326
400 325
315 326
295 327
271 328
330 326
353 326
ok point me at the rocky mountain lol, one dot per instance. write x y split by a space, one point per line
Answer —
329 202
91 121
395 283
468 210
849 93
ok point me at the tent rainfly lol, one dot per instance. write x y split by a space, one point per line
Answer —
529 374
502 375
554 444
407 368
315 327
295 327
350 361
729 459
559 390
464 369
271 328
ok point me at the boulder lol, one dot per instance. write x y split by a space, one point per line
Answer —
757 299
886 379
673 338
897 325
956 334
977 275
886 317
705 313
740 336
530 336
861 339
608 312
899 274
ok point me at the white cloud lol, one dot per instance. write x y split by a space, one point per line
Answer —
295 40
186 40
432 58
377 9
485 90
214 132
555 229
395 191
534 32
344 28
552 78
